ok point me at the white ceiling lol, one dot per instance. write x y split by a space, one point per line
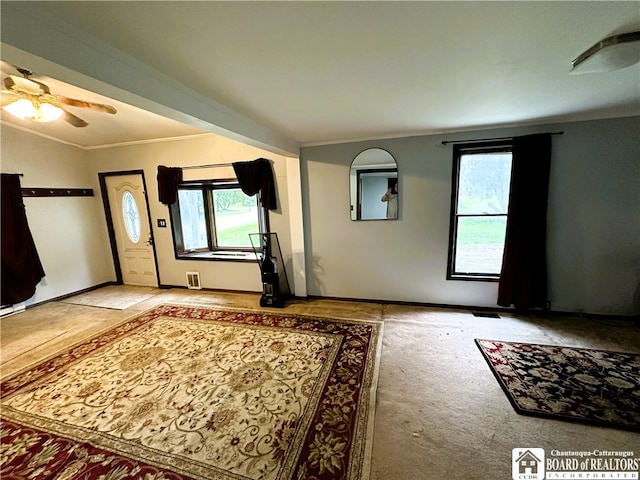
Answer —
322 72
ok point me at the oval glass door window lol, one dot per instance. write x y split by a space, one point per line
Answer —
131 217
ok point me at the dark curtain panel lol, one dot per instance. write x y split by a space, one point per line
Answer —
523 279
168 180
21 267
257 176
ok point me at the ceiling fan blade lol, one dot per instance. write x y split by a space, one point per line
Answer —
9 82
44 87
18 83
73 120
72 102
26 74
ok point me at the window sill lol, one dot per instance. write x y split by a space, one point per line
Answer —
228 256
474 278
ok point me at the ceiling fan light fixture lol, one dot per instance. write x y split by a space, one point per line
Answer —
31 99
612 53
45 112
36 111
22 109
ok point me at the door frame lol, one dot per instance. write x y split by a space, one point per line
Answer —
102 176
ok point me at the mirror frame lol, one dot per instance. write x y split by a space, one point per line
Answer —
362 166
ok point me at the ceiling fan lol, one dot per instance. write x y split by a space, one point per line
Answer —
24 97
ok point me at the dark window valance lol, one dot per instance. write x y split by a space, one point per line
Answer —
257 176
168 180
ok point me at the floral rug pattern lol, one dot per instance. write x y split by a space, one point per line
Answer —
575 384
184 392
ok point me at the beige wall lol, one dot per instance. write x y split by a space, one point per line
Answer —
593 234
593 222
71 233
202 150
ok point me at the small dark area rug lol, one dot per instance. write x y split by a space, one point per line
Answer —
565 383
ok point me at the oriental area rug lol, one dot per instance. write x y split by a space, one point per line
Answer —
189 392
573 384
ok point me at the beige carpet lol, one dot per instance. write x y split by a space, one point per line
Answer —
200 393
440 414
117 297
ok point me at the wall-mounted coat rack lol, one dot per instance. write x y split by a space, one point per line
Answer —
57 192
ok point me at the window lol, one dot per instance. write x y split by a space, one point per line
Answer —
131 216
213 220
480 201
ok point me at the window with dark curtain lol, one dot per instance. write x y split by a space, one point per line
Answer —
523 277
212 220
479 205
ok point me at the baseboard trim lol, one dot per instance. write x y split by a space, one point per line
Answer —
205 289
496 310
8 310
471 308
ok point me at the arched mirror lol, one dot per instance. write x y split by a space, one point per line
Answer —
373 183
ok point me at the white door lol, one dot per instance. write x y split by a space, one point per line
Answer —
128 204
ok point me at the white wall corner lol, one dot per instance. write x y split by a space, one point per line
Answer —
294 188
